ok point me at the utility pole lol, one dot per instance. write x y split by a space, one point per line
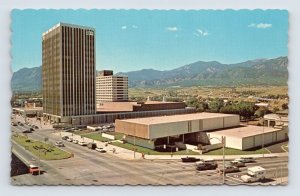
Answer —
134 144
40 159
223 145
263 137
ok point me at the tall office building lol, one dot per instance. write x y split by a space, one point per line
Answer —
68 71
111 88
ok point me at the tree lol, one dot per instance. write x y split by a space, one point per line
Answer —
216 105
275 109
198 104
261 112
244 109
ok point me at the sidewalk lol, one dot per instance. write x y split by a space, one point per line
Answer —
119 152
215 157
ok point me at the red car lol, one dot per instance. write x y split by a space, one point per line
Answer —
34 170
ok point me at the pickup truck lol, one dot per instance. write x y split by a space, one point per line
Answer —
206 166
229 169
254 174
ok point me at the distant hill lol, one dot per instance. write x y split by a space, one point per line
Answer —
27 79
212 73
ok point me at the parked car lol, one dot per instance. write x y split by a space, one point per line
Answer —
189 159
75 141
229 169
27 131
100 150
69 130
59 144
36 127
14 124
206 166
34 170
237 163
246 159
92 145
21 124
65 137
81 143
31 129
70 139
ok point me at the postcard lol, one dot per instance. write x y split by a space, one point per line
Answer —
149 97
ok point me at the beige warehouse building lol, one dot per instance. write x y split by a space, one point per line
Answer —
248 137
155 131
198 128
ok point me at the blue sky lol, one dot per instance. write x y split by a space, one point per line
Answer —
128 40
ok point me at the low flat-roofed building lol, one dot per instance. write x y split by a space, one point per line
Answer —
157 130
248 137
133 106
29 112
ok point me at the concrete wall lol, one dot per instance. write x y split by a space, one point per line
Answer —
112 137
212 123
167 129
269 138
133 129
232 121
141 142
233 142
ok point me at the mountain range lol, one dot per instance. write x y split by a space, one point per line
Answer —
212 73
200 73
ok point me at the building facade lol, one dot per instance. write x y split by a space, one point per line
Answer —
111 88
68 71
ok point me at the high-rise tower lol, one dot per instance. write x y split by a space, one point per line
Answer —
68 71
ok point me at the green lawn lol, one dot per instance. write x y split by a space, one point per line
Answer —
96 136
230 151
46 151
118 136
151 152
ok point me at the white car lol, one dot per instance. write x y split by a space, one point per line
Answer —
70 139
246 159
81 143
59 144
100 150
75 141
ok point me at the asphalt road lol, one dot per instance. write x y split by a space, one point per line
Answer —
89 167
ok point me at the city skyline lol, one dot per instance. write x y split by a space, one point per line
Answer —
129 40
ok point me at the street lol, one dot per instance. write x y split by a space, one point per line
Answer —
90 167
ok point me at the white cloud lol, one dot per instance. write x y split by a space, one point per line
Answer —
260 25
124 27
134 26
172 29
200 32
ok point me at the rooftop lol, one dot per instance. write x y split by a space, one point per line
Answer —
243 131
68 25
176 118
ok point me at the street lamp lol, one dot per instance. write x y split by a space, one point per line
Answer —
222 140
